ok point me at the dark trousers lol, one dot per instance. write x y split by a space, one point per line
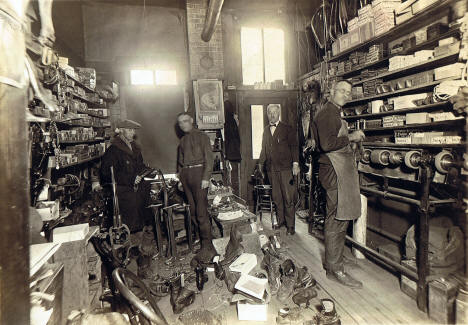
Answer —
283 189
133 206
335 230
197 197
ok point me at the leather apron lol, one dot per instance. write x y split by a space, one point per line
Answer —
344 164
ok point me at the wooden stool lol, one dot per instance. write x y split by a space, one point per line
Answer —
264 201
168 215
156 208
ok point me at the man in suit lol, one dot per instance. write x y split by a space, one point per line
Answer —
280 156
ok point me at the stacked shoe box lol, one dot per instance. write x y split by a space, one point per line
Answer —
376 53
357 92
353 24
341 67
371 86
384 15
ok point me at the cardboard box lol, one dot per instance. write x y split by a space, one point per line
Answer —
417 118
402 137
252 285
244 263
449 71
407 101
408 286
447 49
49 210
442 295
354 38
335 48
404 7
366 31
420 5
70 233
447 41
252 312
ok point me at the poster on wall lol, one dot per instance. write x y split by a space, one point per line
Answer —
209 103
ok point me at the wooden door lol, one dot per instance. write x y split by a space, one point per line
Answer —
251 105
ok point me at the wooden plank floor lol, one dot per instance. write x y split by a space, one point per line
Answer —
380 301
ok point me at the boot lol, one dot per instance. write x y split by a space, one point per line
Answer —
288 268
286 289
303 296
206 253
328 314
271 266
304 279
231 279
180 296
234 247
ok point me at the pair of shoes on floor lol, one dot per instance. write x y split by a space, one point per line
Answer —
344 279
296 282
271 265
291 231
328 314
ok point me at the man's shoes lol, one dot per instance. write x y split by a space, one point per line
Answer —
304 296
206 253
291 231
277 226
344 279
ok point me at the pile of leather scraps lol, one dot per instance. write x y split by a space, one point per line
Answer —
327 315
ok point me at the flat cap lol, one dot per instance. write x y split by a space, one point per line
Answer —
127 124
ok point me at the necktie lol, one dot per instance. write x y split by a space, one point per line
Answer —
272 128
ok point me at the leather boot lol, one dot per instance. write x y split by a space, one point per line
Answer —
206 253
271 265
231 279
181 297
303 296
328 314
234 247
304 279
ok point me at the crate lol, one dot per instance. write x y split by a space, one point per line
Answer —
442 295
408 286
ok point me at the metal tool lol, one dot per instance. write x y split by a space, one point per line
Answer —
119 234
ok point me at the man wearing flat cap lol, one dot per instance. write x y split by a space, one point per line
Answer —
126 158
124 155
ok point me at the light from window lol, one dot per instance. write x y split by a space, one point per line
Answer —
273 40
166 77
256 115
252 55
262 55
142 77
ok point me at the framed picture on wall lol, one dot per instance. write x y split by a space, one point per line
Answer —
209 103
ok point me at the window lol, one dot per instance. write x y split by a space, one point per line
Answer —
152 77
142 77
166 77
262 55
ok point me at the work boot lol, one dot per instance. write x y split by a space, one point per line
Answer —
234 247
328 314
286 289
231 279
303 296
304 279
181 297
206 253
271 266
344 279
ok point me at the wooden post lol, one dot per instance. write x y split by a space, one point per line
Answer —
360 228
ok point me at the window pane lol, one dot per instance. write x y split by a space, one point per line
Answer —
166 77
274 54
257 129
252 55
142 77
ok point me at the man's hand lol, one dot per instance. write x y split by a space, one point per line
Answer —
96 187
138 180
205 184
356 136
180 187
295 169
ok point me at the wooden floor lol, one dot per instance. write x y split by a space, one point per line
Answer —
380 301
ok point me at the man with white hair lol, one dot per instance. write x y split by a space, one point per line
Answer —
280 156
339 177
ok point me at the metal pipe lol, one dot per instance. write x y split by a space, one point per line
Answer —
384 233
212 16
400 268
392 196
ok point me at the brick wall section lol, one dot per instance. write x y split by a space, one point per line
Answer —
196 11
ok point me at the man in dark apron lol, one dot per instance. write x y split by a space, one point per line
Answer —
339 177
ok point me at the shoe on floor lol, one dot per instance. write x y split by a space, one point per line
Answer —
344 279
291 231
286 289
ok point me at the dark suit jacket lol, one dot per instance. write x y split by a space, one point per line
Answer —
280 150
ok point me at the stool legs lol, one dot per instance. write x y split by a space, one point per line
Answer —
172 249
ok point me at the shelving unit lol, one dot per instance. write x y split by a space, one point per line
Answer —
375 173
218 152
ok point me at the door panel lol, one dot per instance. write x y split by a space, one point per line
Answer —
245 100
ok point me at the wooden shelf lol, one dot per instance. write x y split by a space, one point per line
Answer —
79 83
393 93
401 28
415 126
78 162
82 141
406 52
397 145
399 111
407 70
